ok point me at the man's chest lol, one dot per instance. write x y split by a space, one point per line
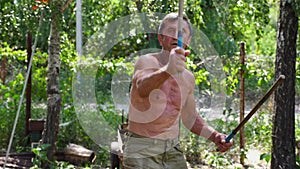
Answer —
175 90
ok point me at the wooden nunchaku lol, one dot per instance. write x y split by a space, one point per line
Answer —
256 107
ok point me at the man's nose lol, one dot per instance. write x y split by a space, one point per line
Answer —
175 35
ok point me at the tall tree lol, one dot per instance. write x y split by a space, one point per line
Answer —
53 99
283 136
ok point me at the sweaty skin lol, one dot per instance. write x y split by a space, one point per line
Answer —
155 112
156 105
162 93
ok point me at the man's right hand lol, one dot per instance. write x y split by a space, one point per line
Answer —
177 60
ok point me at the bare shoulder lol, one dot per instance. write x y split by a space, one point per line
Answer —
189 76
147 61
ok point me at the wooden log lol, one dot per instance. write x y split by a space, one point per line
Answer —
21 155
78 155
16 162
23 159
75 154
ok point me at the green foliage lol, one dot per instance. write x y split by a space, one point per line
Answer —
228 22
258 133
10 95
218 161
224 22
18 18
40 152
296 6
297 127
266 157
297 162
41 157
258 74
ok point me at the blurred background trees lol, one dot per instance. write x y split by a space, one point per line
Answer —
225 23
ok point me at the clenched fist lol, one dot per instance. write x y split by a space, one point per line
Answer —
177 60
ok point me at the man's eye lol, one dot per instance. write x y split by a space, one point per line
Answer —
172 31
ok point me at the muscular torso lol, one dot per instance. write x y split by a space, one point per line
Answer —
157 116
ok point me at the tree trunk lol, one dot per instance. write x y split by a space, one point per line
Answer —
283 136
3 69
54 100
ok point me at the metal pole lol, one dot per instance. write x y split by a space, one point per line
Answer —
78 32
78 28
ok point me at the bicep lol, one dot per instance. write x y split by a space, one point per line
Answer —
147 72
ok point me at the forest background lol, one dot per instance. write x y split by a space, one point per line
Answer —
225 23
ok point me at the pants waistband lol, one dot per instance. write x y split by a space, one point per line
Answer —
172 142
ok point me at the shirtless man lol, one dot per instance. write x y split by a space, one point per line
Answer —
162 94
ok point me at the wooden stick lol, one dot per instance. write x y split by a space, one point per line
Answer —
256 107
242 98
28 87
180 20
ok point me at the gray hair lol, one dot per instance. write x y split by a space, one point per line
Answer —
171 17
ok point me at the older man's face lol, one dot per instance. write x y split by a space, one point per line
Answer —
168 39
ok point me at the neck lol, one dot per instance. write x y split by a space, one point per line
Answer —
163 57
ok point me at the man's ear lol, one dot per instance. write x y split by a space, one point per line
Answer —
187 42
160 38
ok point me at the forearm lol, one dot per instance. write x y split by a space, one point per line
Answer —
201 128
146 82
205 131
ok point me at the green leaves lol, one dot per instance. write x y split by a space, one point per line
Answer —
41 156
224 22
296 5
266 157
